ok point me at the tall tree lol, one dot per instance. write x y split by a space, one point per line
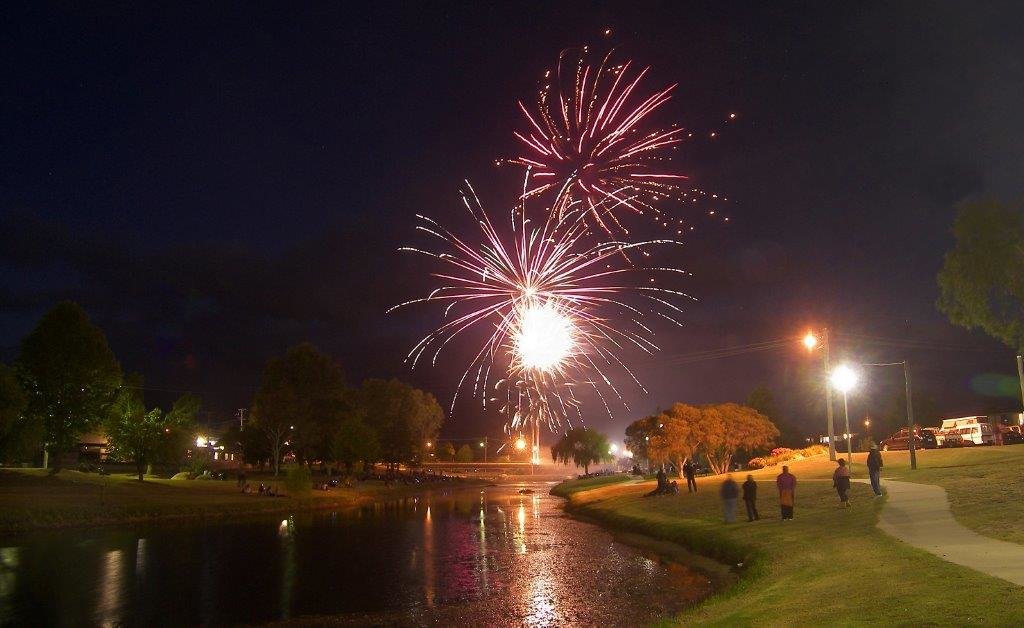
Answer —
69 374
18 432
140 435
354 441
300 401
730 427
981 282
465 454
404 418
679 435
638 437
448 451
583 447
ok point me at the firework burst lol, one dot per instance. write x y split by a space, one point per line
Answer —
589 140
550 306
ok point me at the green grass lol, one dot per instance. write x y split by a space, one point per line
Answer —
828 566
32 499
566 489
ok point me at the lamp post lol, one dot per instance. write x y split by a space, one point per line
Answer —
811 341
844 379
867 428
910 408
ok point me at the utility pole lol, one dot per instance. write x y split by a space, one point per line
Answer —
828 404
485 450
1020 374
910 416
241 419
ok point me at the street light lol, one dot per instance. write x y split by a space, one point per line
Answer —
844 379
520 443
810 340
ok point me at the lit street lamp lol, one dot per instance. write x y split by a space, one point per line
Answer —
811 342
844 379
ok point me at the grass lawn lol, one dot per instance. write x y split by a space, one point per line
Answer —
566 489
30 499
828 566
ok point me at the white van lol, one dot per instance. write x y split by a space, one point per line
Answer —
975 430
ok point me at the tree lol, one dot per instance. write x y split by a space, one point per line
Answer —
69 374
301 399
583 447
729 427
638 435
981 283
355 441
763 400
449 451
678 437
465 454
18 433
405 418
139 435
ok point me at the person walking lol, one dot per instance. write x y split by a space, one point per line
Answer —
841 482
875 469
750 498
786 482
690 471
730 491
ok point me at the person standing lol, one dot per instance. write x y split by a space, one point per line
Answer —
690 471
786 482
730 491
750 498
875 469
841 482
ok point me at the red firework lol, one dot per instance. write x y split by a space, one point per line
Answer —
588 141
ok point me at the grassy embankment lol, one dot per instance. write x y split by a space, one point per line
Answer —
829 565
32 499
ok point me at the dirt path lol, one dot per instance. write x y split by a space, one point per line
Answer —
919 514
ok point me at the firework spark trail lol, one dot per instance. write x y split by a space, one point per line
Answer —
549 283
589 142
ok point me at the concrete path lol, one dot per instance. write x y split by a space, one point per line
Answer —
919 514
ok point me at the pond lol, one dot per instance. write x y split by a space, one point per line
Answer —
493 556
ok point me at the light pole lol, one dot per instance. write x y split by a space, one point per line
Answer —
844 379
867 428
910 409
811 341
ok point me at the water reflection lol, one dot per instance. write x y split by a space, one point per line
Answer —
108 607
447 558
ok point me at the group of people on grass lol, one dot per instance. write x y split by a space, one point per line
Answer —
786 484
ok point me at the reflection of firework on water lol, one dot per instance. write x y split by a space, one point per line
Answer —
554 308
590 140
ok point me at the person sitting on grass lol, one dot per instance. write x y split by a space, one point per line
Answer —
786 483
841 482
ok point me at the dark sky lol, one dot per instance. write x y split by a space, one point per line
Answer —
216 183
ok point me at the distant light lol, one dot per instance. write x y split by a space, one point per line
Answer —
200 441
613 449
481 444
810 341
627 453
520 443
429 444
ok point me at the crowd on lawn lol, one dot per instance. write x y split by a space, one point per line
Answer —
785 482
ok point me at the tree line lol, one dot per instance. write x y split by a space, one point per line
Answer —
67 382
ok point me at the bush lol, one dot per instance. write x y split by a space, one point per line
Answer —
184 475
757 463
779 451
785 454
298 480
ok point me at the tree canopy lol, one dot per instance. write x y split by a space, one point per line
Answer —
18 433
404 418
583 447
679 435
981 282
730 427
69 374
302 398
143 436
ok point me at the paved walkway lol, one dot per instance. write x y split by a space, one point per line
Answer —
919 514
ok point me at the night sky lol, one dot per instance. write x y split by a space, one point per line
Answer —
216 183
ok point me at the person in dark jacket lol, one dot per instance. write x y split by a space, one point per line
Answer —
690 471
730 491
875 469
662 480
750 498
841 482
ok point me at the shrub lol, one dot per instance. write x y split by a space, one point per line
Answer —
184 475
779 451
298 480
757 463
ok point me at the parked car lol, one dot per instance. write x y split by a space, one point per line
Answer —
952 438
901 440
1013 436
